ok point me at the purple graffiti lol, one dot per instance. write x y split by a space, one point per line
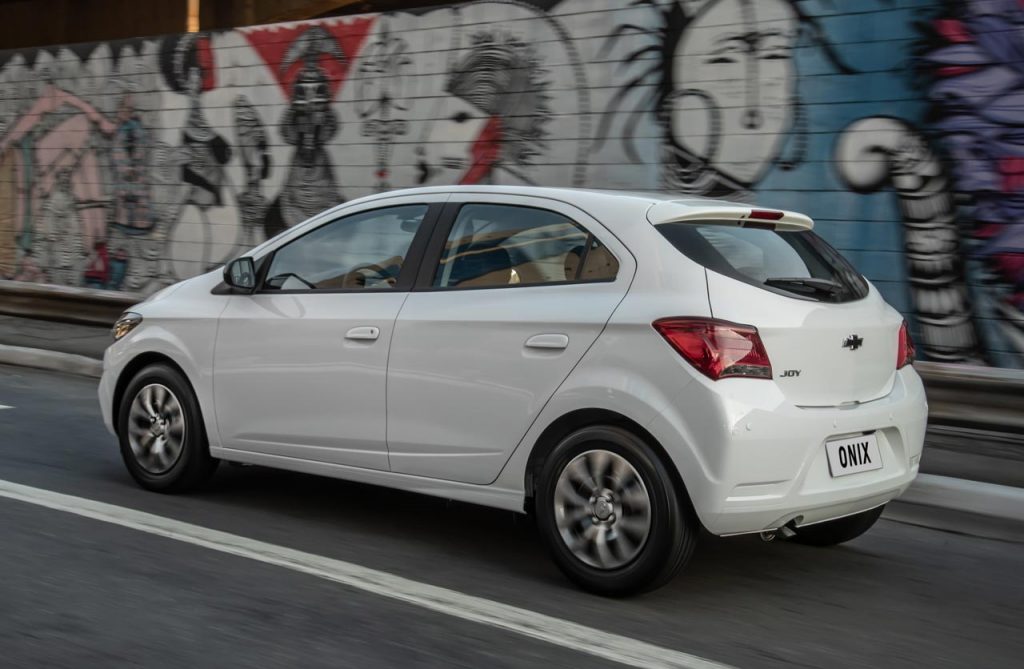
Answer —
976 62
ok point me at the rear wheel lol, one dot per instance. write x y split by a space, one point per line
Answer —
610 513
837 531
161 433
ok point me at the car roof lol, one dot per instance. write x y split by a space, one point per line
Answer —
613 205
614 208
578 196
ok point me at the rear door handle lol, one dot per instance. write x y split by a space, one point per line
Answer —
364 333
555 341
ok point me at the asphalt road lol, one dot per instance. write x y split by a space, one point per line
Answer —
79 592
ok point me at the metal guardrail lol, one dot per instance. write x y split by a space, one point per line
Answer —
988 398
86 306
985 398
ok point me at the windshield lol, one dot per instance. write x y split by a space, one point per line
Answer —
799 264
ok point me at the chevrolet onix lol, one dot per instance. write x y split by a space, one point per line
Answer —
626 367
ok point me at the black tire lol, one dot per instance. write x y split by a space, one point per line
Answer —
837 531
673 527
194 465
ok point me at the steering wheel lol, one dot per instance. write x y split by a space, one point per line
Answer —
356 276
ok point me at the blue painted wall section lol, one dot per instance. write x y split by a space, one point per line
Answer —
898 125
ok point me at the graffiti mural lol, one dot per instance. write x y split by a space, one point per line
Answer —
251 140
897 126
74 162
976 87
881 152
187 63
311 64
384 77
720 79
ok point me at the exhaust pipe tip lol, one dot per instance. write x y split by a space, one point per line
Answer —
787 531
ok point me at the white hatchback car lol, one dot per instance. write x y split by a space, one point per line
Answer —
627 367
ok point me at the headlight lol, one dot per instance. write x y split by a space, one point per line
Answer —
125 324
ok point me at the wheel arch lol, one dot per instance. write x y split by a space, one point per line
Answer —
133 367
580 418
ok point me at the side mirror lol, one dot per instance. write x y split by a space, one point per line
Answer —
240 274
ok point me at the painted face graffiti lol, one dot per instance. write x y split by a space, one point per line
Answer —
493 117
733 86
445 153
720 79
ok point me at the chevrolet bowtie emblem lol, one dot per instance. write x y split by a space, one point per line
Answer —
853 342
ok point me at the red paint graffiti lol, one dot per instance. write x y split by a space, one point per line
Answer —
1012 170
272 44
956 70
485 152
204 54
953 31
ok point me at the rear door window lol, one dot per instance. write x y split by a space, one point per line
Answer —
498 245
800 264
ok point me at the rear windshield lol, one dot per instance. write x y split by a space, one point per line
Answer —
799 264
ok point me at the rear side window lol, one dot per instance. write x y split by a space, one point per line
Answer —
496 245
794 263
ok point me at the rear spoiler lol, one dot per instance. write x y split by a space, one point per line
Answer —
672 211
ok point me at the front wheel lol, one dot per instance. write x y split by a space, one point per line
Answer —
610 513
837 531
161 433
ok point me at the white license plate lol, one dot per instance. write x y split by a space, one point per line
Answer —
853 455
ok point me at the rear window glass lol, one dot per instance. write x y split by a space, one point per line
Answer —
799 264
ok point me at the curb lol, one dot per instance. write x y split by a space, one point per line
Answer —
986 499
50 360
967 507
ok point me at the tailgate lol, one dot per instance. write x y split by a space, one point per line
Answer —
822 354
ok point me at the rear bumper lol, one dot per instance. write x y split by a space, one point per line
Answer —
764 461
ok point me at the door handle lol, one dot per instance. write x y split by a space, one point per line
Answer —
363 333
552 341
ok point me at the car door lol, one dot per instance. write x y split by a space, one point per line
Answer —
512 292
300 365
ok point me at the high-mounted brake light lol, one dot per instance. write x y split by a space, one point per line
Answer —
718 349
905 349
766 215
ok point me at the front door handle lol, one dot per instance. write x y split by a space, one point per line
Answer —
552 341
363 333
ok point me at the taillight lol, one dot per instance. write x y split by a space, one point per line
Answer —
905 350
718 349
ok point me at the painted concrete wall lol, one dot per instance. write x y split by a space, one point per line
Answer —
897 124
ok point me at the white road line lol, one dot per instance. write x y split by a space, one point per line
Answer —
4 406
557 631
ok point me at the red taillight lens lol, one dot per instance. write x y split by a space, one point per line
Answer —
718 349
905 350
